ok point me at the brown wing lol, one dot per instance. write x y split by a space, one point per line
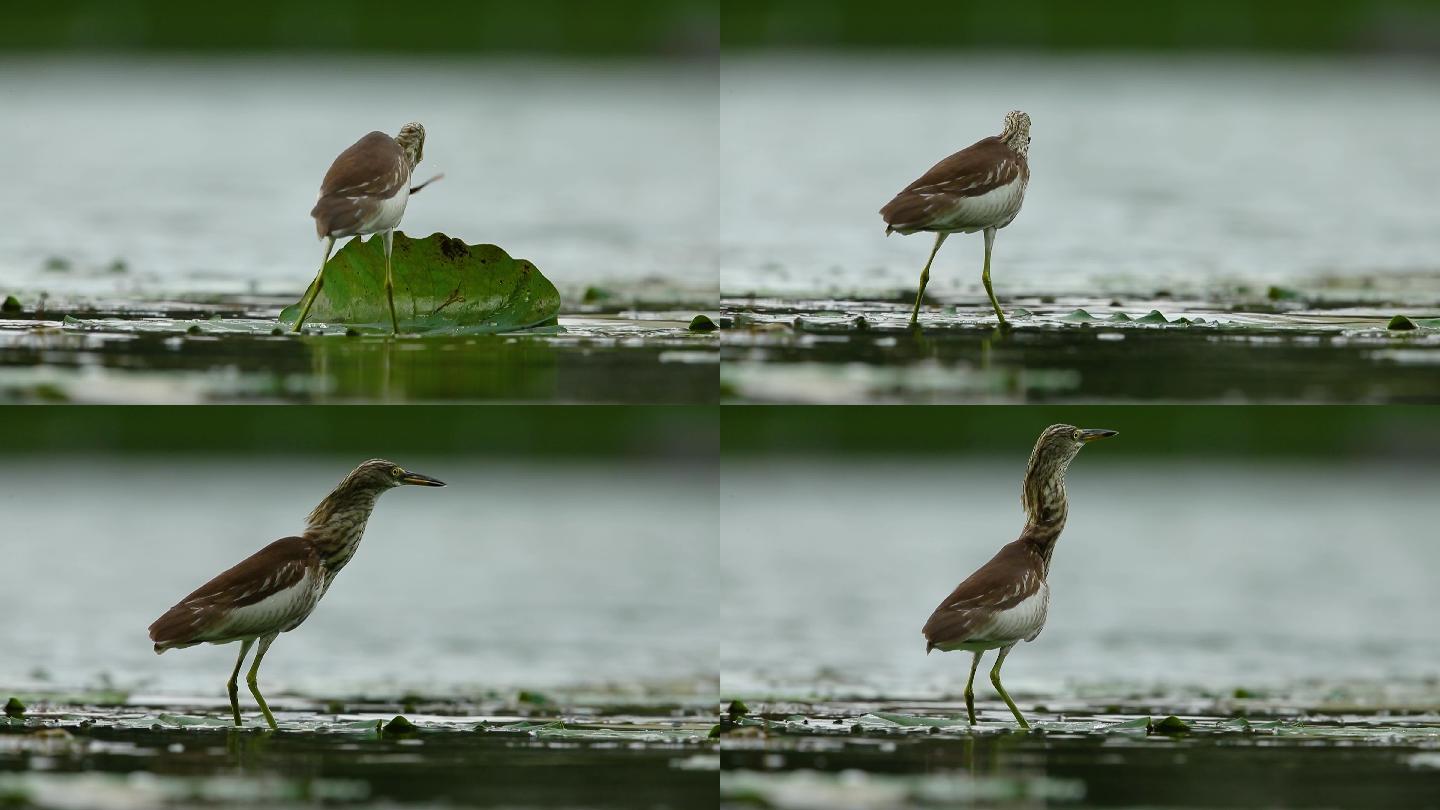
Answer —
1008 579
275 567
373 167
979 168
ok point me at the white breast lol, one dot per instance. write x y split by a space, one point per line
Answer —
993 209
1022 622
283 610
389 212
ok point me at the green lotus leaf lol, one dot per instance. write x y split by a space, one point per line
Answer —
442 286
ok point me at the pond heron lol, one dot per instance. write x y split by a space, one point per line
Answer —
1005 601
365 192
275 589
979 188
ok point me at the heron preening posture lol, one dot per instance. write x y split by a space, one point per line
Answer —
275 589
1005 601
979 188
365 192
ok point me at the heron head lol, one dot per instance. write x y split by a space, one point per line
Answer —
412 140
1059 444
1044 489
1017 131
379 474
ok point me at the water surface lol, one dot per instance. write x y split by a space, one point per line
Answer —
1156 172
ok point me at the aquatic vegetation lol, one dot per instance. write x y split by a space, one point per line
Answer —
799 753
441 285
223 350
398 725
1128 349
131 756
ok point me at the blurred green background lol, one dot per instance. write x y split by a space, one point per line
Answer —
1409 26
684 434
553 27
1358 432
694 27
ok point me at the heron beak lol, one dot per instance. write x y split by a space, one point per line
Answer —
420 480
1088 436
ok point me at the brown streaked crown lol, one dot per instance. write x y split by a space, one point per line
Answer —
357 490
1016 133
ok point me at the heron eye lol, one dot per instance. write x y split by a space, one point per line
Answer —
396 472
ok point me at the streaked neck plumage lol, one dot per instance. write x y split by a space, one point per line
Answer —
338 523
412 143
1019 143
1046 508
412 157
1016 133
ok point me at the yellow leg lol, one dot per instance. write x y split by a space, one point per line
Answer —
970 686
390 286
251 680
925 279
233 687
999 687
985 276
314 289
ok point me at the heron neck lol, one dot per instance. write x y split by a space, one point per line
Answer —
338 523
1045 508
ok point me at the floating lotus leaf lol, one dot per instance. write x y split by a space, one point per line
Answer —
442 285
